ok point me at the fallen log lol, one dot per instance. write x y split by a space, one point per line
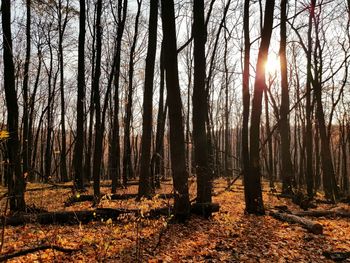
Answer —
84 198
336 256
86 216
36 249
324 213
201 209
65 217
313 227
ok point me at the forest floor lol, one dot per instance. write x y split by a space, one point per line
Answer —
229 236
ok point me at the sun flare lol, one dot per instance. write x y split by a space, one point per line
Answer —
272 64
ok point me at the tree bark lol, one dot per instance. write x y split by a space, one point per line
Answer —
254 201
246 96
62 22
200 108
16 183
79 143
115 147
308 109
145 188
98 126
287 169
177 145
158 155
312 226
127 165
26 148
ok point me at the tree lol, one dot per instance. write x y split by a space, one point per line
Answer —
15 178
309 107
26 151
98 122
200 109
329 181
177 145
127 166
79 143
63 12
145 186
158 154
114 159
246 96
252 183
287 169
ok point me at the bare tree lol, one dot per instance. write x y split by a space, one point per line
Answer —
287 169
78 150
200 109
177 145
145 185
252 183
15 179
127 165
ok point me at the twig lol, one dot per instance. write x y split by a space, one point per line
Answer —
161 234
234 180
36 249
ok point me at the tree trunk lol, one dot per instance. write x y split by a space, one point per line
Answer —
287 169
200 108
33 144
145 188
246 96
254 199
177 145
158 155
308 108
62 22
26 150
115 147
329 181
51 92
79 143
312 226
98 126
127 165
16 183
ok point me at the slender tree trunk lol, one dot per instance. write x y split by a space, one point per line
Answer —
269 152
344 170
115 148
254 199
61 25
145 184
127 165
26 150
246 96
79 143
329 181
287 169
317 181
227 140
200 109
97 104
308 109
158 155
33 146
177 145
16 183
51 92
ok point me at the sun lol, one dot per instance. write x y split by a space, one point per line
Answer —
272 65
